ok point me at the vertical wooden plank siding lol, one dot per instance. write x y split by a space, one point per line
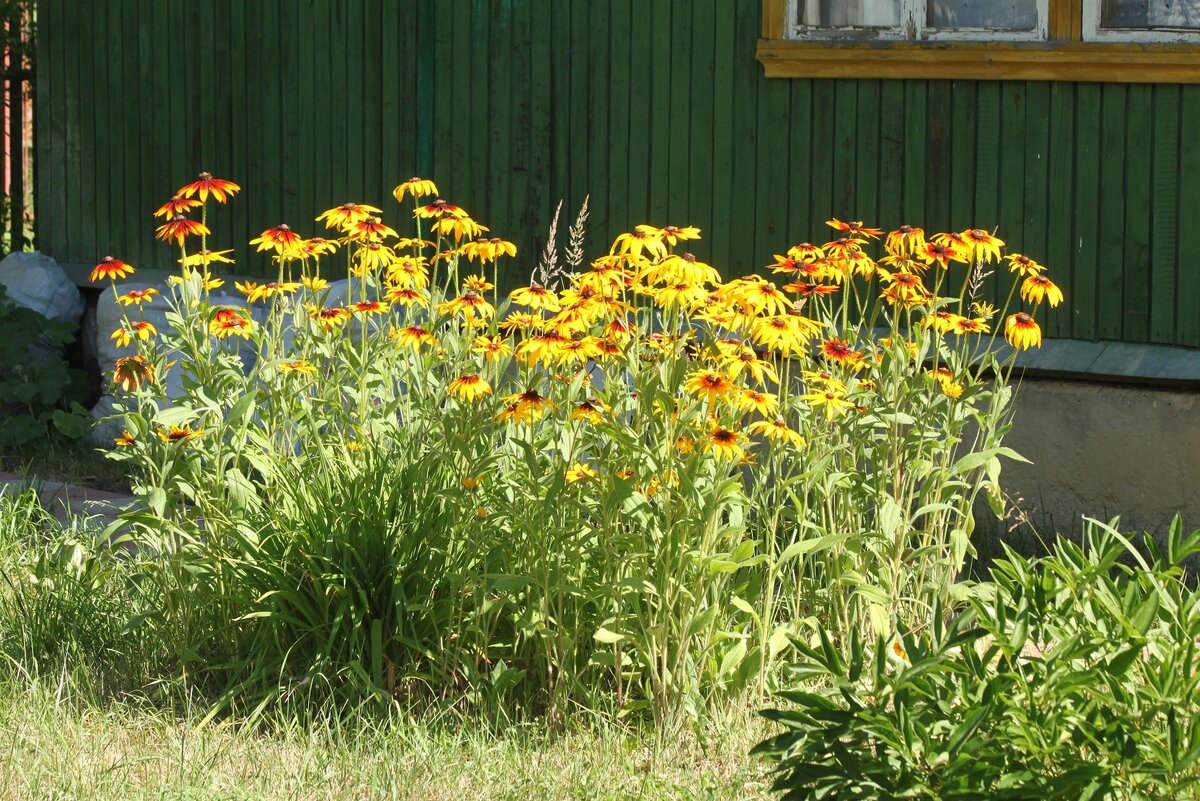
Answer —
656 108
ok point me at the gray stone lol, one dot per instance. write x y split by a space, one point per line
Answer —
37 282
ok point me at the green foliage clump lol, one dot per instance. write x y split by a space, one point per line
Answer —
37 389
1073 676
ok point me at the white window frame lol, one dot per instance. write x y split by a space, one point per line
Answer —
912 27
1092 32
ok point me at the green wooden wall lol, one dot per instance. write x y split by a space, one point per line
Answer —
657 108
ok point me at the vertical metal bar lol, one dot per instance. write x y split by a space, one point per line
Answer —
16 131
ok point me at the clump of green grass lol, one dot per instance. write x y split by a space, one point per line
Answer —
57 749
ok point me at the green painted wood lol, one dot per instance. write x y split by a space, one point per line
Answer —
656 108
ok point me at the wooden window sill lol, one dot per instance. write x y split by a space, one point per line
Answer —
1025 61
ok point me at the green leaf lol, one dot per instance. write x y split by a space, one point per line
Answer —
608 637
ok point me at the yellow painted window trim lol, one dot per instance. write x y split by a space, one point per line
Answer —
1064 57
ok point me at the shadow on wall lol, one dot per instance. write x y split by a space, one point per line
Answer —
1100 451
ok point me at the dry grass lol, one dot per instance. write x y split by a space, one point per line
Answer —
55 750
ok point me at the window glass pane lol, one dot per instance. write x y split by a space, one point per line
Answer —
1150 14
1012 15
849 13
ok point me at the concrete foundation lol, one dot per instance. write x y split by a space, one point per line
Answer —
1102 450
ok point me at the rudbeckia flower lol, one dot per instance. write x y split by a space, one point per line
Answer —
138 296
281 239
175 207
408 271
230 322
1022 331
491 348
1023 265
839 351
488 249
590 410
471 306
316 247
414 188
855 228
125 440
527 406
413 337
206 185
477 283
255 292
541 347
519 321
641 238
905 240
806 251
762 296
469 387
941 321
328 318
370 307
580 472
132 372
183 433
370 229
672 235
460 227
941 254
439 208
983 246
298 366
140 329
824 380
682 295
904 289
971 325
535 296
785 333
372 256
347 214
737 359
314 284
111 268
203 258
1039 287
751 400
776 430
725 443
709 384
827 400
407 296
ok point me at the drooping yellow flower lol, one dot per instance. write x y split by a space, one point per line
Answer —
983 246
438 209
537 297
1038 287
681 295
488 249
941 254
983 309
347 214
527 406
941 321
905 240
1022 331
371 256
469 387
785 333
519 321
460 227
580 472
179 229
132 372
111 268
477 283
762 296
138 296
369 308
413 337
175 207
641 238
971 325
471 306
125 440
751 400
590 410
414 188
220 189
673 235
370 229
776 430
839 351
542 347
315 247
314 284
823 379
408 296
737 359
328 317
255 292
281 239
904 289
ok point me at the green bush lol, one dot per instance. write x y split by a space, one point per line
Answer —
37 389
1074 676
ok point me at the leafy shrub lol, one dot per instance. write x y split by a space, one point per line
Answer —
1072 676
38 389
628 490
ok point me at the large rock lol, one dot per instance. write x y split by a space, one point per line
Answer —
35 281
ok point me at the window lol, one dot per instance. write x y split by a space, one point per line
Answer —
1086 40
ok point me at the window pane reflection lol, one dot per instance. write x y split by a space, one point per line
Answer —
1150 14
849 13
1012 15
